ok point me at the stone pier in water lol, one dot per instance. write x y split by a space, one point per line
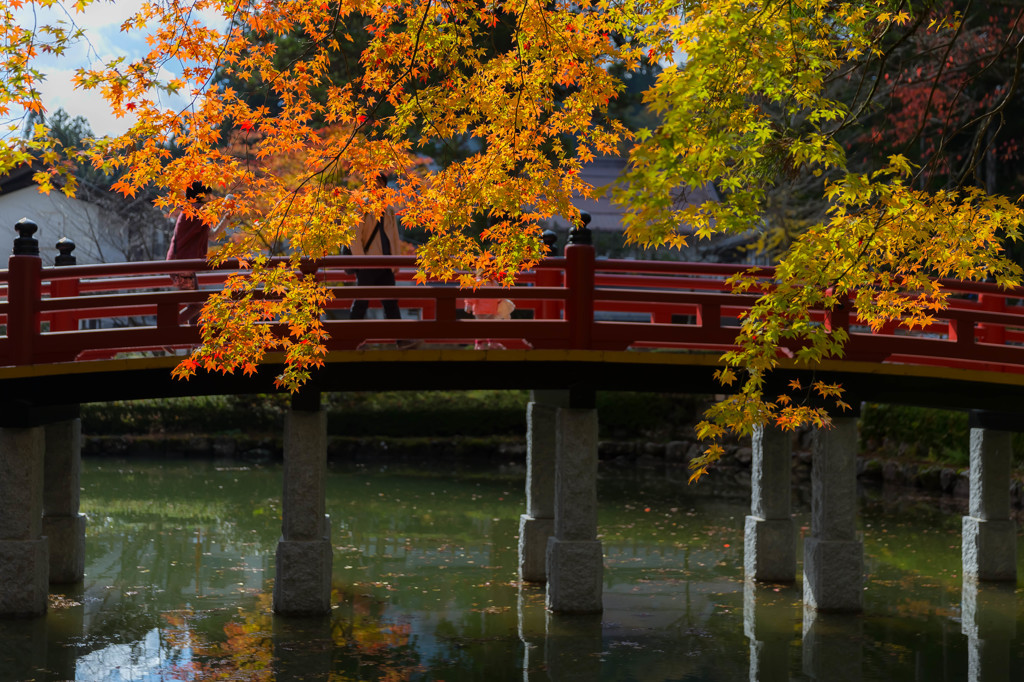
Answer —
302 583
834 552
989 534
769 538
538 523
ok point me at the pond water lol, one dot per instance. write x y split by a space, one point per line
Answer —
180 559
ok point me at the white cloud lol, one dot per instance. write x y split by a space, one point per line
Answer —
102 22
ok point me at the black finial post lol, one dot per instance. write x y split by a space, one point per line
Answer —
581 233
549 237
25 244
65 246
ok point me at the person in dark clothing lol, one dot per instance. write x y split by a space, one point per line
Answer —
376 236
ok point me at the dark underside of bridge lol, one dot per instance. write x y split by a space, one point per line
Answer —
30 395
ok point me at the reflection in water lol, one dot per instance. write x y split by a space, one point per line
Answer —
572 647
180 567
770 613
833 646
532 618
989 619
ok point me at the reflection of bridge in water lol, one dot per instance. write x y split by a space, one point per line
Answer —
87 333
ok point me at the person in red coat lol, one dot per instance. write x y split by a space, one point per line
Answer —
191 239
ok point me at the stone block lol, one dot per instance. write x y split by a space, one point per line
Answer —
533 547
675 451
305 474
989 549
991 460
769 549
576 475
24 577
21 483
302 585
575 576
541 437
770 473
834 575
62 464
834 481
66 535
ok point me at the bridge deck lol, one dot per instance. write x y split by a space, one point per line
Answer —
100 332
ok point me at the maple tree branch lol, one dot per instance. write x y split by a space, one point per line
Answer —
938 76
986 119
855 113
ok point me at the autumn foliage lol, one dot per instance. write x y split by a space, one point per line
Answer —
751 96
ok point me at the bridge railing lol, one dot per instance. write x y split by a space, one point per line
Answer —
60 314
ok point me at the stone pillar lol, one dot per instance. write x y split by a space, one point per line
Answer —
989 535
768 620
538 523
24 560
769 538
989 619
834 552
302 586
63 525
575 560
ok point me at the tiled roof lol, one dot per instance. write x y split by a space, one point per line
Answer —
606 216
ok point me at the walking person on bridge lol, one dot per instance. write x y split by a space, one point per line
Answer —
489 309
376 236
191 239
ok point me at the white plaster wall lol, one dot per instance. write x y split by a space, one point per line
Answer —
59 216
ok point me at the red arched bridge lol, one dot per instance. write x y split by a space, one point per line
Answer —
77 333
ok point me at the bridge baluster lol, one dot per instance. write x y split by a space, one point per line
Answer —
579 279
24 293
992 333
64 287
548 309
839 316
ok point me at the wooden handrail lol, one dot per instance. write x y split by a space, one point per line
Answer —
574 302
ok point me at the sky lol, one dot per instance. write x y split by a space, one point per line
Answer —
102 22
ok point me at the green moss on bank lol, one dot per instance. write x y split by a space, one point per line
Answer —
921 434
